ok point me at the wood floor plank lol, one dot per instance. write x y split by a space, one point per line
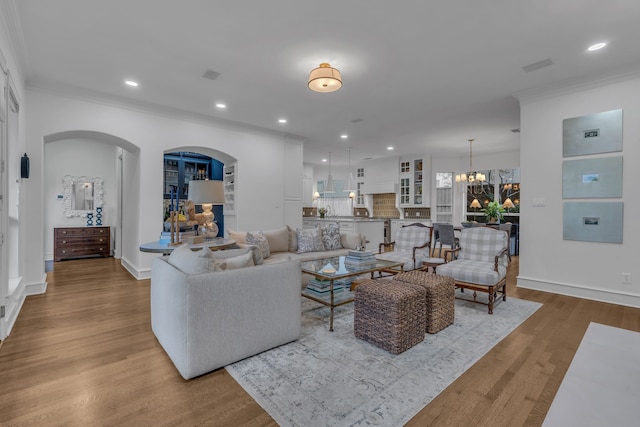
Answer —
84 354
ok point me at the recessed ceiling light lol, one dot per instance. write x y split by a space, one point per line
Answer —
221 105
283 121
596 46
131 83
324 160
390 147
344 136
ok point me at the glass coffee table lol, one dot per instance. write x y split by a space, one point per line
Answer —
329 284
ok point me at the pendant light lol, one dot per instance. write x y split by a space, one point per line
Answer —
350 187
330 187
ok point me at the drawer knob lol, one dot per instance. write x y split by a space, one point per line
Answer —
64 252
64 241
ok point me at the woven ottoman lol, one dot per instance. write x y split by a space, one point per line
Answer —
389 314
440 297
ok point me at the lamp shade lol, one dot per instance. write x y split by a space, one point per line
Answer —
206 192
508 204
475 203
325 79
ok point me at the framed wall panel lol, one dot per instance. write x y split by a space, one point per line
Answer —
592 134
593 177
593 221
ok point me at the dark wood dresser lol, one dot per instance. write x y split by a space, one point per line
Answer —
80 242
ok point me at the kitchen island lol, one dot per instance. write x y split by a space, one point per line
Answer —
372 228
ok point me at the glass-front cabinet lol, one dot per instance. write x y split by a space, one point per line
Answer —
412 183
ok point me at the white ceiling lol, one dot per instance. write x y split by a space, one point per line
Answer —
424 76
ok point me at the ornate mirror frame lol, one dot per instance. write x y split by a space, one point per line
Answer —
69 183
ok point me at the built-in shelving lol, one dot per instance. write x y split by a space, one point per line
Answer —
230 176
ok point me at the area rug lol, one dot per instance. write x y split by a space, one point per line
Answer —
334 379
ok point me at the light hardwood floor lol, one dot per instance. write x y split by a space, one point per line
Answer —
84 354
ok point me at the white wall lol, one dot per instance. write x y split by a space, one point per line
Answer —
263 168
77 158
547 262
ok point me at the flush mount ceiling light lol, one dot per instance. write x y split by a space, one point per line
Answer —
325 79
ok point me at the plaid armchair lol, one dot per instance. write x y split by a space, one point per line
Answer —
481 264
411 246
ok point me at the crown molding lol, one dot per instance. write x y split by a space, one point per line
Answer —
568 87
13 30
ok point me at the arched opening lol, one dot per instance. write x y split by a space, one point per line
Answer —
90 154
222 168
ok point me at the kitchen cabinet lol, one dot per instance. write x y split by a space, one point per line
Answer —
413 183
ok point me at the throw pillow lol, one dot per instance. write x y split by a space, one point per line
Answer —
217 264
278 239
260 240
310 240
239 261
191 262
238 236
331 236
293 239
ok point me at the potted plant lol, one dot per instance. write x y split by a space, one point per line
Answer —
322 212
493 212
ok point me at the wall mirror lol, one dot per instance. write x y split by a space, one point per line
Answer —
81 195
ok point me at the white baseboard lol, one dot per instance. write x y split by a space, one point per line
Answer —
137 274
579 291
16 301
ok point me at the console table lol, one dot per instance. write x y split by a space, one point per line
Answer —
80 242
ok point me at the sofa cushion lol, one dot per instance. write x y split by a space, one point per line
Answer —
191 262
331 236
260 240
239 261
310 240
278 239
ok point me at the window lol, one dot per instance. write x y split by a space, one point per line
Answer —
444 197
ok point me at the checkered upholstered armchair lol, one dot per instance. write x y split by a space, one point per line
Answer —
411 246
481 264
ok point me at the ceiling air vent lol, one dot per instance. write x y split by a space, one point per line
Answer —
211 75
537 65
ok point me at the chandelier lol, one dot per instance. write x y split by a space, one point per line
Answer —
472 178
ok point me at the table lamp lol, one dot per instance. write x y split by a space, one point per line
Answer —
207 193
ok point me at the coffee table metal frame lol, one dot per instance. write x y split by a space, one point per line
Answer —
314 268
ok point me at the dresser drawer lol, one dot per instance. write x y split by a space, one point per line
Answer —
80 242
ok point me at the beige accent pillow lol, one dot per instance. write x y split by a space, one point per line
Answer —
293 239
278 239
217 264
191 262
246 248
350 240
238 236
239 261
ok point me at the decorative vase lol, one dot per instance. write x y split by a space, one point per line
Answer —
99 216
89 219
321 215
